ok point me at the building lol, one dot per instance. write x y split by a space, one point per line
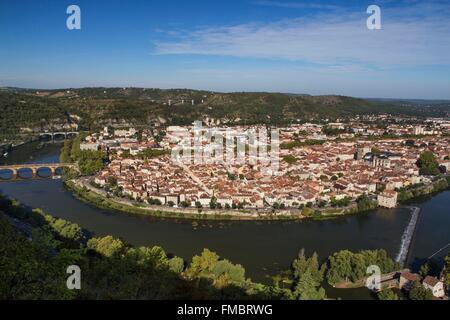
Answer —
418 131
125 133
387 199
436 286
407 279
89 146
381 162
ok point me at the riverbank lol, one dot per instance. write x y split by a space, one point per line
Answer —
409 194
97 197
85 191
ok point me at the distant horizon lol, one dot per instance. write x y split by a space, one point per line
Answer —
224 92
321 47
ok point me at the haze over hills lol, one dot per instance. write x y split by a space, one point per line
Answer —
33 110
411 101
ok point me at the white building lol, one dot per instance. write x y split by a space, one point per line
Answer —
436 286
388 199
418 130
125 133
89 146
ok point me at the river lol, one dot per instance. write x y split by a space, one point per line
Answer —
263 248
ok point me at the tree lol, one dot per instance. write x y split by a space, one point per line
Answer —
233 273
176 264
204 263
418 292
424 270
290 159
428 164
306 288
346 266
307 277
65 152
302 265
387 294
107 246
28 271
185 204
409 143
151 153
376 151
447 272
341 202
365 203
322 203
213 203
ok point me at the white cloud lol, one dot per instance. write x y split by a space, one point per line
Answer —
413 34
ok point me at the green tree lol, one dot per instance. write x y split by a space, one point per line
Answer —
290 159
176 264
107 246
376 151
185 204
204 263
418 292
65 152
302 265
306 288
424 270
308 276
365 203
447 272
346 266
213 203
428 164
233 273
387 294
28 271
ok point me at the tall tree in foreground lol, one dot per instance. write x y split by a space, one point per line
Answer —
308 276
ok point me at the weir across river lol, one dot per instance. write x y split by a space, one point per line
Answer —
407 236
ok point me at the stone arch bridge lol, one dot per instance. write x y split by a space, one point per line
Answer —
61 134
35 168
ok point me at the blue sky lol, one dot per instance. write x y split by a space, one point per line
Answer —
315 47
